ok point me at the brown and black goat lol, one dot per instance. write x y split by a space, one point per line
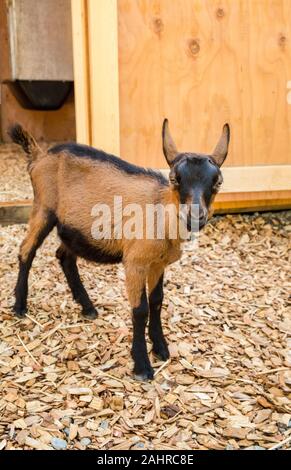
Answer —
69 179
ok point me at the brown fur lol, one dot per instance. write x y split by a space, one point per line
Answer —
59 182
66 188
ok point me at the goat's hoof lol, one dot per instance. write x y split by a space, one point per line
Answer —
19 312
161 351
90 313
145 375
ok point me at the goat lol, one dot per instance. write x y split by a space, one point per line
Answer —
69 179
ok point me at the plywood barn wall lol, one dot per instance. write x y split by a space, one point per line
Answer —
200 63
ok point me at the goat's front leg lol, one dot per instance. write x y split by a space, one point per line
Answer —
156 295
136 288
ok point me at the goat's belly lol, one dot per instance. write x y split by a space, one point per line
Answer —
85 248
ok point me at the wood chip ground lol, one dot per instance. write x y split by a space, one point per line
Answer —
14 180
65 380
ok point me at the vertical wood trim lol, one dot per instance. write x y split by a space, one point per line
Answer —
5 63
104 74
81 71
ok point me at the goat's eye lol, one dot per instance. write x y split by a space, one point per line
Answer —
217 185
175 179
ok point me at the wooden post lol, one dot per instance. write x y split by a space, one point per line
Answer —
95 42
104 77
81 71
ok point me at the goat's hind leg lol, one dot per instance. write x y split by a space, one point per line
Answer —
40 225
68 262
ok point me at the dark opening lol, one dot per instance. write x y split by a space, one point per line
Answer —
41 94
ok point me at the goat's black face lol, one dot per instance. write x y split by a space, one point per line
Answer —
197 177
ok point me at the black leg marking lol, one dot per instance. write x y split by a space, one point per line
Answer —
142 366
69 265
78 244
21 289
160 347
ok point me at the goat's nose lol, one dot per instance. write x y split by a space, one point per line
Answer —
198 221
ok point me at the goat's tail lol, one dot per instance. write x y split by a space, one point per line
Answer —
21 137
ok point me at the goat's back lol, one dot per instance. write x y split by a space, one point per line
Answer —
71 185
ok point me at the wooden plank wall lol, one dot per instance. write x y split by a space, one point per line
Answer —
200 63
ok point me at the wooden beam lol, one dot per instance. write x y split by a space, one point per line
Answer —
104 76
14 212
249 179
17 212
259 204
257 178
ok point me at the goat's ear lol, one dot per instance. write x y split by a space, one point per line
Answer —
169 147
221 149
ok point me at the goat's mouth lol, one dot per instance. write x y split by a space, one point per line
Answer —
196 229
202 224
196 225
192 225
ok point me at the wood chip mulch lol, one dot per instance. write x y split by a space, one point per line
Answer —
15 182
66 382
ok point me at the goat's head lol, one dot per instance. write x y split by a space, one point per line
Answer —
196 177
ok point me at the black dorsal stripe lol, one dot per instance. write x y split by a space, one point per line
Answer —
85 151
